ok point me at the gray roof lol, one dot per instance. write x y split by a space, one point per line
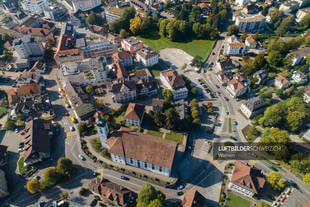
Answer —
301 52
255 103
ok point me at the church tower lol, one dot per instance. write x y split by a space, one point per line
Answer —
102 128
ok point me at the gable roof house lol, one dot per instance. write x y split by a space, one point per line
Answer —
225 65
27 77
281 82
134 114
12 97
299 55
124 91
112 193
299 77
252 107
123 56
157 104
29 90
193 198
306 95
250 42
174 82
37 141
261 76
224 76
143 151
147 57
236 88
246 179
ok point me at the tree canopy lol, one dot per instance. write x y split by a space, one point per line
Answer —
33 186
275 180
150 197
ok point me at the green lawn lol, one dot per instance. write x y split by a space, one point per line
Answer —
155 70
155 133
229 125
21 168
194 47
120 118
175 136
234 200
3 111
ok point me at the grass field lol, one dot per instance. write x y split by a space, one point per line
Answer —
21 168
3 111
155 133
234 200
175 136
193 47
155 70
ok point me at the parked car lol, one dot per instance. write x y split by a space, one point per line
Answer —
180 193
22 133
81 157
235 123
180 187
72 129
124 178
67 114
21 144
227 112
16 130
20 149
37 177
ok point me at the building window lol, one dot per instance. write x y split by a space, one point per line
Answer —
160 169
153 166
145 165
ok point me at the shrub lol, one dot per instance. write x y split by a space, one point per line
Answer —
83 191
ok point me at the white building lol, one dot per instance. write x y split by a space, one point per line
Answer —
99 48
174 82
299 77
85 5
252 107
112 14
299 55
134 114
281 82
102 128
29 48
241 3
34 6
147 57
250 23
236 88
301 14
246 179
144 151
233 46
307 95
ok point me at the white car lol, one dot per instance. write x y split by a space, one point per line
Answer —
180 187
72 129
81 157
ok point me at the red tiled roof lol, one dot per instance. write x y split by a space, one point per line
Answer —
120 70
247 177
28 89
146 53
135 111
193 198
236 84
236 44
12 98
173 78
144 147
283 80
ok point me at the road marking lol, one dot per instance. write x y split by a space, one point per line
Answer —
69 134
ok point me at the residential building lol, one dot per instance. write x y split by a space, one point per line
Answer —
143 151
246 179
250 42
38 106
99 48
225 64
147 57
193 198
3 155
124 91
124 56
85 5
289 7
146 87
112 14
28 47
236 88
250 8
306 95
102 30
235 47
102 128
299 77
28 90
112 193
39 66
250 23
261 77
77 19
241 3
37 141
174 82
301 14
134 114
27 77
281 82
298 56
253 107
81 102
121 72
10 5
132 44
12 97
34 6
54 13
157 104
143 74
3 185
224 76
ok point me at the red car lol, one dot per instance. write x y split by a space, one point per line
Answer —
22 133
67 114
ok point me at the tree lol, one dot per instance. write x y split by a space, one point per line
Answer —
274 58
51 177
305 21
123 33
6 36
295 120
136 25
99 102
276 17
274 115
172 118
10 125
33 186
155 203
275 180
233 30
20 117
197 61
94 19
64 195
294 104
285 26
168 96
148 194
308 59
306 178
159 118
89 89
64 166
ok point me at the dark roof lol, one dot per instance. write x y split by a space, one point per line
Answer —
226 64
248 177
83 110
156 102
173 78
36 138
135 111
116 88
147 148
193 198
112 192
76 94
255 103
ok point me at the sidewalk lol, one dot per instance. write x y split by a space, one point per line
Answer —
127 167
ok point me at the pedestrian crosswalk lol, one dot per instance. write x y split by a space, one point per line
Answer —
230 116
69 134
